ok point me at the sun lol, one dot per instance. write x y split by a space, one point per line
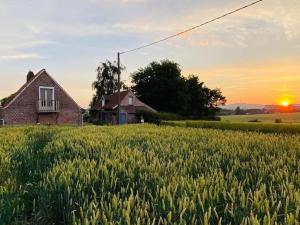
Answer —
285 103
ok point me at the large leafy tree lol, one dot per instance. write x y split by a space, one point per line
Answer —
107 80
201 100
161 85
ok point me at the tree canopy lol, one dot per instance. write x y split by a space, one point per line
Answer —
162 86
4 101
107 80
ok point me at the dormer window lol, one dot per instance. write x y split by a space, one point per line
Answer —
130 100
102 101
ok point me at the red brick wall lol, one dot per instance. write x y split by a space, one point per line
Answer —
131 118
23 109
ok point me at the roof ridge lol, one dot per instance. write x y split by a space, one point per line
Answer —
22 88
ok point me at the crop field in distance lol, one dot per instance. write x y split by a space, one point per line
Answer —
264 118
147 174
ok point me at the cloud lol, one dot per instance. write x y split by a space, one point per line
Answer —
267 31
285 14
253 25
275 14
138 27
20 56
69 29
13 44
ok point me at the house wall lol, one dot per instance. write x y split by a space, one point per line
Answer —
125 108
23 109
131 118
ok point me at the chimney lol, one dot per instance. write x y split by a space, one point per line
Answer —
30 75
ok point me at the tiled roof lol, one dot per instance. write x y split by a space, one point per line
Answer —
111 101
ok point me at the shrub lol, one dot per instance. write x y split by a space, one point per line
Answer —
174 123
254 121
157 117
100 123
211 118
86 116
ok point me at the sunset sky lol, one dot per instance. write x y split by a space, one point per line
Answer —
253 56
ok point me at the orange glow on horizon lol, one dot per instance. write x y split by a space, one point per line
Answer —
285 102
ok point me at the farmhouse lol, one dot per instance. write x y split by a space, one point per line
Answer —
106 110
41 100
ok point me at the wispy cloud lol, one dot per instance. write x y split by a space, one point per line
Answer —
25 44
225 53
20 56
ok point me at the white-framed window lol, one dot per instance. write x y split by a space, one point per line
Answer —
130 100
46 93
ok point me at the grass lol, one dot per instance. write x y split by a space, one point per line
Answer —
257 127
145 174
265 118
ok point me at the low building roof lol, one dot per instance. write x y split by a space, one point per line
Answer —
111 101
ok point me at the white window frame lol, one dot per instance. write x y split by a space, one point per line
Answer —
130 98
46 87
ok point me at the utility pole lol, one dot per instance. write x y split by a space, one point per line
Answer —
170 37
119 88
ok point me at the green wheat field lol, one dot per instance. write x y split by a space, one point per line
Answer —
264 118
147 174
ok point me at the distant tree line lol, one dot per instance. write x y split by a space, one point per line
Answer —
162 86
239 111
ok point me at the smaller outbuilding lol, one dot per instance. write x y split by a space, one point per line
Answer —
106 110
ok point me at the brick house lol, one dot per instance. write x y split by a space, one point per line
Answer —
41 100
106 110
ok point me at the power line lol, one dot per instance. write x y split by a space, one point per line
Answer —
192 28
169 37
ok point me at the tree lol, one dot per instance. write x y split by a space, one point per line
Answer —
107 80
239 111
162 86
6 100
202 101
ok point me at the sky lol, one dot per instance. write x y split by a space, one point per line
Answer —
252 56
